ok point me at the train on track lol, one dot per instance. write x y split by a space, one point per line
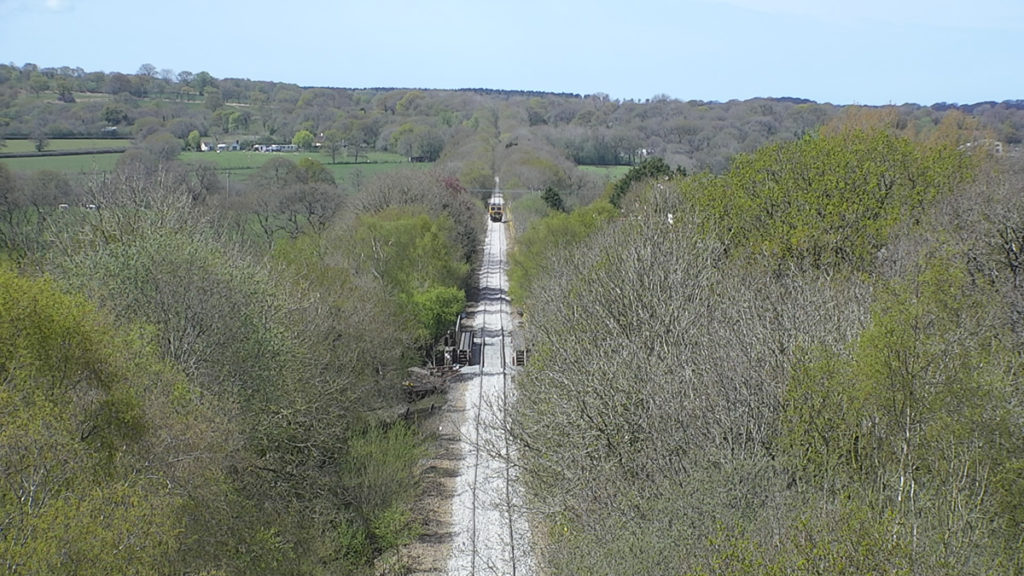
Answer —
496 209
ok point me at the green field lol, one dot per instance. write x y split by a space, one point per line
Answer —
80 164
57 145
607 172
239 164
243 163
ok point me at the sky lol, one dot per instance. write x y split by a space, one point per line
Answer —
871 52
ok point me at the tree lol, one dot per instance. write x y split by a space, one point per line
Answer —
239 120
316 173
193 142
418 257
64 92
79 477
909 417
114 115
648 169
212 100
163 146
553 199
828 200
334 142
303 139
9 200
39 139
118 83
278 173
417 141
202 81
39 83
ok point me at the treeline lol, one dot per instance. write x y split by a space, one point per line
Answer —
809 364
189 385
533 139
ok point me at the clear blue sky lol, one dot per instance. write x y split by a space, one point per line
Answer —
841 51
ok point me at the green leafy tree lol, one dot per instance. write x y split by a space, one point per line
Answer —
553 199
65 93
163 146
435 308
304 140
828 200
194 141
419 258
549 238
202 82
239 121
649 169
38 83
114 115
78 485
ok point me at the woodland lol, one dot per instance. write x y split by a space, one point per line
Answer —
769 336
808 364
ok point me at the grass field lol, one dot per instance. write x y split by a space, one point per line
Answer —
239 164
607 172
81 164
58 145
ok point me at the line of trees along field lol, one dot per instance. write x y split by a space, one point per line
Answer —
190 389
809 364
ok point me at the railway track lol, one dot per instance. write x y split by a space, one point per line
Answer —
491 531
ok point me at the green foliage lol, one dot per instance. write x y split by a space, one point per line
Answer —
828 200
379 474
201 298
114 115
916 417
315 172
193 142
649 169
278 173
289 369
435 308
411 251
78 492
557 233
303 139
685 410
417 257
212 99
417 141
553 199
163 146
